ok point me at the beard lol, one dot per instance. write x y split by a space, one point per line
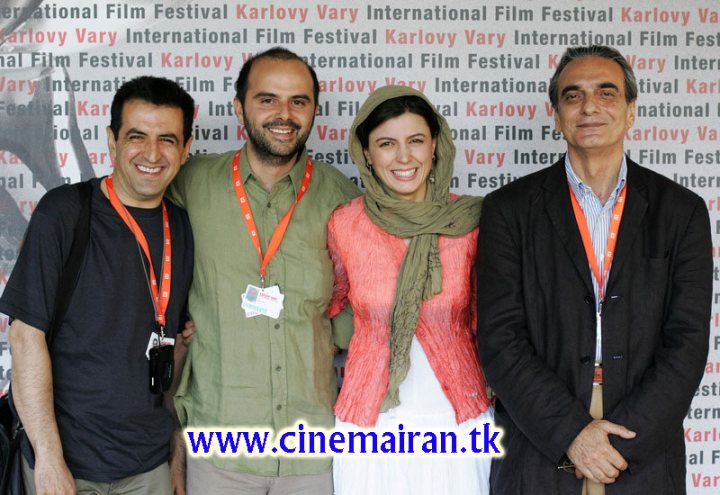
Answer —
275 153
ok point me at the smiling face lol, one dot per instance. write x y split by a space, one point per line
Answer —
593 113
401 153
147 153
278 111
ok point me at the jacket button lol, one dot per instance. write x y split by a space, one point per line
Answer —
586 359
589 300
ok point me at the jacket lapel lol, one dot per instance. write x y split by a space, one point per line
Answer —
559 209
633 214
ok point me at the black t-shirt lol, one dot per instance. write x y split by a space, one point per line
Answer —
111 425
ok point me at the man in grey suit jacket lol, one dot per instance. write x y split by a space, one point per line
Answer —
594 293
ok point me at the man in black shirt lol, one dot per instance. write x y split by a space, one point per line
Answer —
92 418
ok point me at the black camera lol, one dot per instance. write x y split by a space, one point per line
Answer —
162 365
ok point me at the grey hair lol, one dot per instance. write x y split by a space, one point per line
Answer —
574 53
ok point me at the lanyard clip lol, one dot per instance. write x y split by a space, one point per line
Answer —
262 281
160 330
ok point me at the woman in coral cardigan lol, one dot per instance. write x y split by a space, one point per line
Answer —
404 260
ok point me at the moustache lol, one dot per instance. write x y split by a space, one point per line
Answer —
288 123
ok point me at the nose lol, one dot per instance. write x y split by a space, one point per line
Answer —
403 153
590 105
152 150
283 110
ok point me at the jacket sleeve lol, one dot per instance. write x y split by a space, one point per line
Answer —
538 402
656 406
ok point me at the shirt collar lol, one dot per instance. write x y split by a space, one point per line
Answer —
295 175
580 189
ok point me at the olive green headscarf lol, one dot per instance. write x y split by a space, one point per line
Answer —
420 275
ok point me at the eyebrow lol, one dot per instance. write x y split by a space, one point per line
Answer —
609 85
420 134
133 130
264 94
576 87
170 135
567 89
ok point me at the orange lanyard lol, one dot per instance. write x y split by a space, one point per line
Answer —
611 242
282 226
161 298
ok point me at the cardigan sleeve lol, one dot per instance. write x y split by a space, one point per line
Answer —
338 308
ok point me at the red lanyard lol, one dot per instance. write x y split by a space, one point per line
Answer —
282 226
612 237
161 298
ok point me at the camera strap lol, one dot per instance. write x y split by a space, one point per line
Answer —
71 268
68 280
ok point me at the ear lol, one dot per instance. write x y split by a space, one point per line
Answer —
556 118
112 144
186 150
630 118
238 110
367 155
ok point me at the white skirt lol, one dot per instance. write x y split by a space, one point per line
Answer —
423 407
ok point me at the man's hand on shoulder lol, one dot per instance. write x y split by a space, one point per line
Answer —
187 333
594 456
52 476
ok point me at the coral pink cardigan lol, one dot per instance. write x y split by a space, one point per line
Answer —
367 262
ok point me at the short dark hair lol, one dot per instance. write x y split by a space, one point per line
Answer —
157 91
277 53
574 53
395 107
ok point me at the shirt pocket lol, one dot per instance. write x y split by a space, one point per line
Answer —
316 275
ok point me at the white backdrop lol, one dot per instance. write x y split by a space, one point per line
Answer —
485 64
